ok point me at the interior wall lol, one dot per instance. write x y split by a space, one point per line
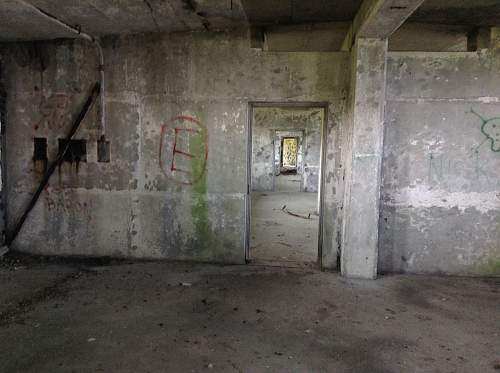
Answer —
441 169
3 98
429 38
157 86
269 119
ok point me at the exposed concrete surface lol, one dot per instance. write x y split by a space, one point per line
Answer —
266 121
463 12
425 37
363 158
278 236
306 37
288 183
20 21
378 19
264 13
140 318
441 183
146 208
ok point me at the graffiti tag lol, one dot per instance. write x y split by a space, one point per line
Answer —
490 128
446 170
53 110
57 200
183 150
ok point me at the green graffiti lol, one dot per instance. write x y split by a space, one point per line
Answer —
490 128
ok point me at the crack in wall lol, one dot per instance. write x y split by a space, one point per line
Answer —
191 6
152 12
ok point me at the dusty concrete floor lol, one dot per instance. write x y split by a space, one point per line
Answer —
288 183
161 317
278 236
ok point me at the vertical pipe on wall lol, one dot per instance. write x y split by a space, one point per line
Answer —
3 114
94 40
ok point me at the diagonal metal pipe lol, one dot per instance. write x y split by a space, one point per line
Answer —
83 35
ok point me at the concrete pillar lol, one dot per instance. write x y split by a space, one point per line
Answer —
3 114
495 38
363 176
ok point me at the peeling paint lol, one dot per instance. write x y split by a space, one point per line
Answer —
421 196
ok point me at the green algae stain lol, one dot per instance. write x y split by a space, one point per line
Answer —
207 245
490 268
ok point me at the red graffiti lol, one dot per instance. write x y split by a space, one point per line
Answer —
53 110
59 199
175 156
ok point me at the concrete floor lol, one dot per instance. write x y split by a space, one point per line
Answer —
278 236
288 183
58 316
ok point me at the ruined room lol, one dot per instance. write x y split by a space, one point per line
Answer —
250 186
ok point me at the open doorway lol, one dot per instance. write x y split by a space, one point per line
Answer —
285 160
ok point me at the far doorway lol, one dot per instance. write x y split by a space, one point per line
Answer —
285 183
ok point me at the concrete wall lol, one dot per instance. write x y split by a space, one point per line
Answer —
441 169
3 98
136 205
429 38
265 122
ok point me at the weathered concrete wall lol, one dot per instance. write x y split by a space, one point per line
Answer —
429 38
362 155
3 98
441 170
266 121
136 205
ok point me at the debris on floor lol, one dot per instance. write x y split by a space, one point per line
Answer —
294 214
3 250
241 319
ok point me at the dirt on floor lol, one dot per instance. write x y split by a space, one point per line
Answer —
59 315
284 227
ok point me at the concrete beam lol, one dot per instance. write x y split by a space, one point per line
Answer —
483 38
363 159
378 19
316 37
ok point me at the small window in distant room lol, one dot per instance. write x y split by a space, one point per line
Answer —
289 153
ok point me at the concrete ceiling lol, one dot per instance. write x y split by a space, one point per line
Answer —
272 12
459 12
107 17
19 21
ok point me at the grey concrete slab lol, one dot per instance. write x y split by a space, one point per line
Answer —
176 317
135 205
364 151
277 236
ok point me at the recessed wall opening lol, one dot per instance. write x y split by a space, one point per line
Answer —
40 158
285 158
77 151
40 149
103 150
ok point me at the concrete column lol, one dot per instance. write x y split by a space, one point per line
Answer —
495 38
363 176
3 114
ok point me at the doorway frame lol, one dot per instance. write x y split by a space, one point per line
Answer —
275 131
324 137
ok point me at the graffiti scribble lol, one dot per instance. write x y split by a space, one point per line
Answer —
183 150
53 110
490 128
